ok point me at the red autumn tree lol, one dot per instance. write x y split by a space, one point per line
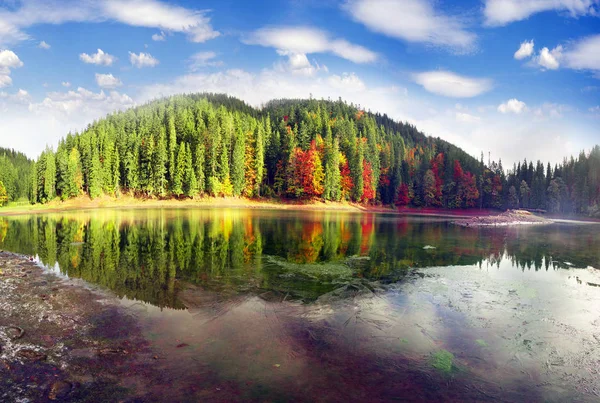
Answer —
469 189
403 198
368 192
346 177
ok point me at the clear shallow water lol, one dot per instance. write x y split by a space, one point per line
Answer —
275 306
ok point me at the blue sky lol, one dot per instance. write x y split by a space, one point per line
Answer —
517 78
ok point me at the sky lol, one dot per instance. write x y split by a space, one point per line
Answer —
513 79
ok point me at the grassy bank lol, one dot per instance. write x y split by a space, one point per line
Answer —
124 201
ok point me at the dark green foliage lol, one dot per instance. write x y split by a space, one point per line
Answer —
210 144
15 173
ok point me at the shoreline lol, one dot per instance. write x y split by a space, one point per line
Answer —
54 338
128 202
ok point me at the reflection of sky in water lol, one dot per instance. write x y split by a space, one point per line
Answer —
514 328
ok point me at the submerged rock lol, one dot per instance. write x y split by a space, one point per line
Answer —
59 390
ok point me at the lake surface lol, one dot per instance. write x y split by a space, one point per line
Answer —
257 305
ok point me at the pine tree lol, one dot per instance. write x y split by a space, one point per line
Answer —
237 161
159 165
95 181
332 184
199 167
259 159
180 170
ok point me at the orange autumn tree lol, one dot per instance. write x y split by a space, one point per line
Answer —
308 172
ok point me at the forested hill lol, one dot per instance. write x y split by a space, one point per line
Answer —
15 173
216 145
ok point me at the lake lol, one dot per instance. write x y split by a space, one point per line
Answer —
260 305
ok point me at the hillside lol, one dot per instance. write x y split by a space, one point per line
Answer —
15 173
216 145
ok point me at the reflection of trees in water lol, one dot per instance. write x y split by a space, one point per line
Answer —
151 256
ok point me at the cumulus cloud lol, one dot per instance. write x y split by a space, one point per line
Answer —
43 45
195 24
8 60
550 59
159 37
299 64
107 81
203 59
503 12
413 21
525 50
584 54
305 40
100 58
66 84
142 60
451 84
512 106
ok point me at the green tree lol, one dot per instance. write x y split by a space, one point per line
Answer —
3 195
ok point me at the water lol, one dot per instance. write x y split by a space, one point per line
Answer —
310 306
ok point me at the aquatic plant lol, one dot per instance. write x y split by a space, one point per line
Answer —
442 360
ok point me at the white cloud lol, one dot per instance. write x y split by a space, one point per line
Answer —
203 59
347 81
43 45
8 60
5 80
584 54
142 60
452 85
107 81
413 21
20 97
298 64
100 58
512 106
141 13
305 40
503 12
149 13
525 50
40 123
551 110
66 84
159 37
595 110
464 117
549 59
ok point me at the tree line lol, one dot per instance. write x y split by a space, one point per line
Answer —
214 145
15 171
